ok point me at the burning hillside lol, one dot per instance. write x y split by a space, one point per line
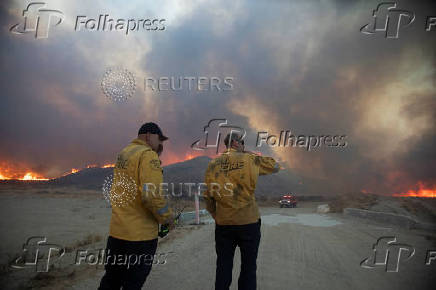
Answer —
422 191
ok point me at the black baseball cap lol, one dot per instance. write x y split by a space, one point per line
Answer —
152 128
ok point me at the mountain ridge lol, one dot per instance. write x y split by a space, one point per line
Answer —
192 171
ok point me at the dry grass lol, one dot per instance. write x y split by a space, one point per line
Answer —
57 279
88 240
415 207
353 200
50 191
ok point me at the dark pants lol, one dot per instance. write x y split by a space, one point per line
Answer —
127 263
247 237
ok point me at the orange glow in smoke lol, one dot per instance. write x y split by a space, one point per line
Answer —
189 157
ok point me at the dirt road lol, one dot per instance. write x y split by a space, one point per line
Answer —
299 250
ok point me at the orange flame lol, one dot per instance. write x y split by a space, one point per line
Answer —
73 170
31 176
108 165
421 192
20 172
171 158
8 173
2 177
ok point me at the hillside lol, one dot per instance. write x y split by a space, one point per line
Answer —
189 171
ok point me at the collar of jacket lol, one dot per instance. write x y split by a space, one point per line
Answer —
230 150
140 142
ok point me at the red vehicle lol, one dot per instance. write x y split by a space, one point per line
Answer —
288 201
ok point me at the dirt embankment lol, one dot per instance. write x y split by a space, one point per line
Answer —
420 209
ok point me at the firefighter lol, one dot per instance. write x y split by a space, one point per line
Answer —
134 224
236 215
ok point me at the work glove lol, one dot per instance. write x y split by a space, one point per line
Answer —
163 230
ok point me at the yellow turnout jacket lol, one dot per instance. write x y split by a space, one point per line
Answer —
137 204
231 180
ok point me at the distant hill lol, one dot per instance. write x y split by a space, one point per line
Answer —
92 178
192 171
89 178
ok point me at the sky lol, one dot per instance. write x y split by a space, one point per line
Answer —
302 66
